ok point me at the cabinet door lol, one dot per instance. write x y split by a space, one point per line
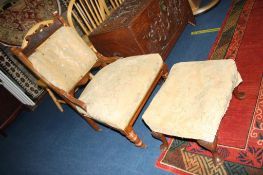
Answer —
163 23
9 107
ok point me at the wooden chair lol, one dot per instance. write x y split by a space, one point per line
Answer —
89 14
114 96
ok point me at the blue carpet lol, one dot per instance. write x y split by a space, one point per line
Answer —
47 142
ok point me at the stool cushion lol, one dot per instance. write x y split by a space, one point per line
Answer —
193 100
116 91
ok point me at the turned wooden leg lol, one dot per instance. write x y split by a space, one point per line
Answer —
239 95
92 123
133 137
211 146
161 137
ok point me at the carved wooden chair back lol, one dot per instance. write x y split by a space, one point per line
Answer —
33 29
89 14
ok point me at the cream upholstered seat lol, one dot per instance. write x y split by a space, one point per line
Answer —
193 100
116 91
114 96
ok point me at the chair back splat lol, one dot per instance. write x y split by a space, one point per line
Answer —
86 15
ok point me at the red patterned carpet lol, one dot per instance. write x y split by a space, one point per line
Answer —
241 130
20 15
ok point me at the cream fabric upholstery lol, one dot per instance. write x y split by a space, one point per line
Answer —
193 100
64 58
116 91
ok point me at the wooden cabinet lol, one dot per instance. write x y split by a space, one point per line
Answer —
9 108
141 27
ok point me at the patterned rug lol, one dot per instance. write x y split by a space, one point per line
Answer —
17 16
241 130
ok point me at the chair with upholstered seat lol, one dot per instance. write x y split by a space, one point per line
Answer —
114 96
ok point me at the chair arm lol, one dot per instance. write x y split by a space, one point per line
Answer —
72 101
103 61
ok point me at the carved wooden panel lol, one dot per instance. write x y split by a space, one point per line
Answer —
141 27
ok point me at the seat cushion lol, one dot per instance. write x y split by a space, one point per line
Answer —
193 100
63 59
116 91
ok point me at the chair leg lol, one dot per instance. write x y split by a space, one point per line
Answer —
161 137
239 95
211 146
92 123
133 137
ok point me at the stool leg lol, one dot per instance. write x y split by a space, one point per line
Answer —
239 95
133 137
161 137
211 146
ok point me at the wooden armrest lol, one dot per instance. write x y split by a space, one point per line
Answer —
103 61
73 101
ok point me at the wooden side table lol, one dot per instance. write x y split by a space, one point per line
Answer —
197 9
141 27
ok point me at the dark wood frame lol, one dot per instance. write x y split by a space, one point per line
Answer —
210 146
39 37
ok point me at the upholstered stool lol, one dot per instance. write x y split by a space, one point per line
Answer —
192 102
